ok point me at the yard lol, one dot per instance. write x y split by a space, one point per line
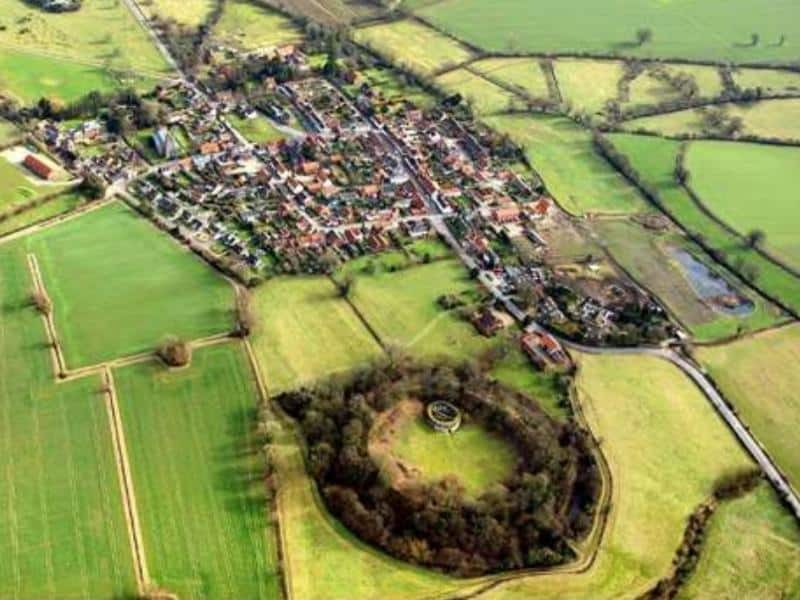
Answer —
191 433
307 332
119 286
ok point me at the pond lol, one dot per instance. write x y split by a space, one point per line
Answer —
711 287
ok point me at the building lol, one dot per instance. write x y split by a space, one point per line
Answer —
543 349
164 144
489 321
38 167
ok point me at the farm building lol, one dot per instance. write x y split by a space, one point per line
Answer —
38 166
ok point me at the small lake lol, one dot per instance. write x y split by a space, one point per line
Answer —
711 287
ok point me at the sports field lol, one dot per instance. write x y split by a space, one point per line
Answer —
247 26
759 377
413 45
562 153
482 95
654 159
62 531
119 286
306 332
402 308
198 475
524 73
749 187
707 29
778 119
665 447
752 550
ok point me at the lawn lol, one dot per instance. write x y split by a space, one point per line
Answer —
752 550
751 186
759 376
482 95
62 203
119 286
474 456
709 29
563 154
413 45
646 257
306 332
524 73
768 119
666 447
62 530
258 130
248 26
654 158
191 433
402 308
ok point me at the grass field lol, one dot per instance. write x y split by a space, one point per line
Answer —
306 332
474 456
525 73
62 531
247 26
198 475
62 203
119 286
711 29
588 84
186 12
517 372
768 119
258 130
770 80
563 154
758 376
752 550
389 84
646 257
665 447
413 45
654 158
482 95
8 131
17 185
646 89
751 186
329 12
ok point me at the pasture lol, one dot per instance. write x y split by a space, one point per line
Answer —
306 332
654 159
711 30
329 12
665 447
192 13
588 84
770 80
576 176
758 377
756 539
483 96
523 73
515 371
408 43
192 432
247 26
119 286
62 529
61 204
751 187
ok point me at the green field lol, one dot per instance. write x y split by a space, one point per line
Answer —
588 84
563 154
198 475
482 95
186 12
247 26
388 83
59 205
329 12
758 376
474 456
517 372
645 255
18 185
770 80
752 550
258 130
524 73
654 159
749 187
647 89
8 131
413 45
306 332
778 119
666 447
119 286
694 29
62 530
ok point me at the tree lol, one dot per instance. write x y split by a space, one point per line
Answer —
644 36
754 39
175 352
42 303
345 285
245 316
755 238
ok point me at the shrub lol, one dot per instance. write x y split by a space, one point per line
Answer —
175 352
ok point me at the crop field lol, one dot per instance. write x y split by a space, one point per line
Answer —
482 95
62 203
402 308
62 530
429 52
711 30
751 186
779 119
186 12
248 26
192 432
646 257
307 332
258 130
18 185
654 158
755 375
563 154
119 287
524 73
665 447
752 550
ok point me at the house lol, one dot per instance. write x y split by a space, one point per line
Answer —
489 321
543 349
506 214
38 167
164 143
